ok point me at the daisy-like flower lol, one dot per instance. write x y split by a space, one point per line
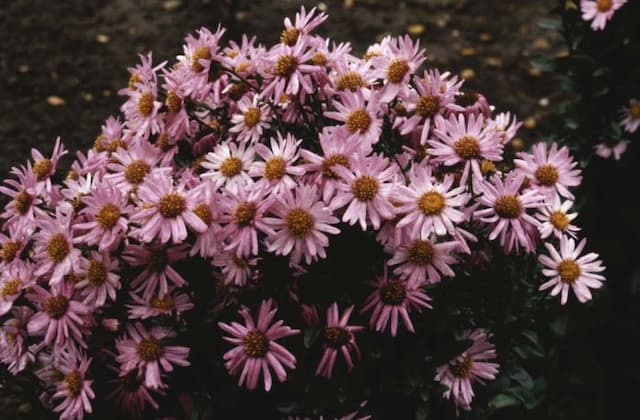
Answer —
605 151
568 269
20 213
278 168
349 73
401 58
555 219
15 352
146 308
235 270
98 279
130 393
208 243
256 349
54 251
360 118
421 261
366 186
106 213
156 260
550 171
228 165
288 71
43 167
339 337
392 300
74 388
167 211
131 166
429 206
471 366
14 279
465 141
301 224
506 211
304 24
631 116
61 317
506 126
599 11
474 103
242 217
147 352
250 120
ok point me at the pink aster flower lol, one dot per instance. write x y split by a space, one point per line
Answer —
304 24
631 116
471 366
74 388
156 260
14 279
148 352
360 118
235 270
474 103
550 171
21 212
506 211
300 226
250 120
429 206
422 261
465 141
278 170
605 151
256 349
106 213
555 219
199 52
61 318
339 337
54 251
15 351
43 167
350 73
130 393
366 187
141 110
599 11
568 269
208 242
167 211
506 126
142 308
401 59
98 279
228 165
393 299
131 166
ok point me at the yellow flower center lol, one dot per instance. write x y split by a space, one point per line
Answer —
10 288
172 205
569 271
319 59
467 147
201 53
289 36
97 273
431 203
150 349
256 344
174 103
487 167
351 80
604 5
133 80
22 202
203 211
358 120
559 220
286 65
56 306
547 175
397 70
634 109
114 144
57 248
73 383
244 213
462 368
275 168
299 223
145 104
42 168
108 216
508 206
135 172
365 188
251 117
9 250
231 167
393 293
428 106
336 337
164 304
332 160
421 252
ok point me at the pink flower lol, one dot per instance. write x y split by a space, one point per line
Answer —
401 59
568 269
304 24
130 393
61 318
599 11
54 251
429 206
147 352
98 279
469 367
506 211
550 171
21 212
43 167
157 273
208 242
167 211
360 118
131 167
505 126
256 349
338 338
75 388
278 170
15 351
14 279
421 261
228 165
142 308
631 116
555 218
393 299
605 151
466 141
366 187
300 226
250 120
235 270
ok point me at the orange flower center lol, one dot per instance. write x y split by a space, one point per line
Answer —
56 306
336 337
547 175
508 206
244 213
172 205
569 271
462 368
42 168
428 106
289 36
135 172
22 202
251 117
421 252
57 248
467 147
145 104
231 167
351 80
365 188
299 223
604 5
150 349
256 344
358 120
431 203
108 216
73 383
286 65
332 160
397 70
559 220
275 168
393 293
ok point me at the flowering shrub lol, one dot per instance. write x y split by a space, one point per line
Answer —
267 230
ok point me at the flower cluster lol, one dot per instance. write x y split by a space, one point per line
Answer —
240 153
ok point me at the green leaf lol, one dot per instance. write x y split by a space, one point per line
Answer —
503 400
522 377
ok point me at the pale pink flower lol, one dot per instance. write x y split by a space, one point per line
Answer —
360 118
401 59
235 270
199 52
148 352
392 300
599 11
75 388
141 110
14 279
555 219
208 242
471 366
605 151
167 211
21 212
142 308
250 120
43 167
131 166
55 255
505 211
505 126
278 169
228 166
569 270
131 394
423 261
474 103
256 349
465 141
550 171
15 351
300 226
338 337
98 279
304 24
61 318
156 260
631 116
365 188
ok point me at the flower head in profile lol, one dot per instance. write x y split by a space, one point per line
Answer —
44 167
631 116
303 25
256 350
569 270
339 337
130 393
471 366
599 11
